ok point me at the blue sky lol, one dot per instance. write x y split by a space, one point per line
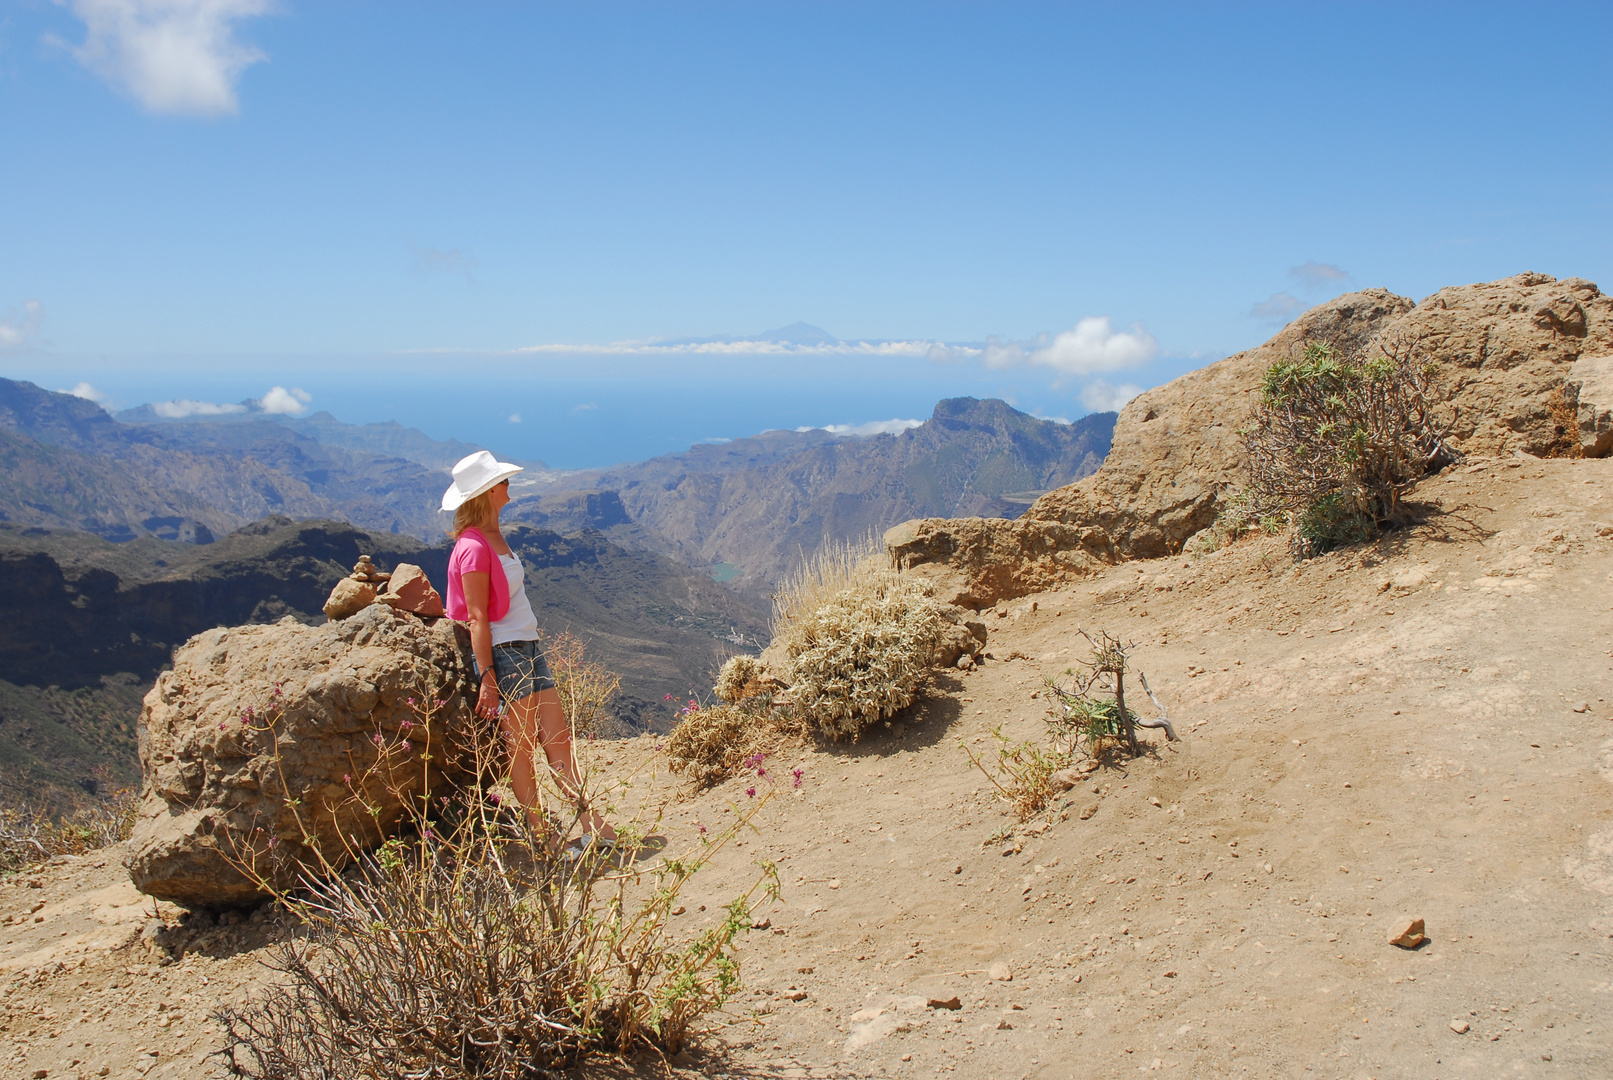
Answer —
216 196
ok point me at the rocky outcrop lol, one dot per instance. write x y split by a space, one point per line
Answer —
1507 352
279 746
1522 364
974 561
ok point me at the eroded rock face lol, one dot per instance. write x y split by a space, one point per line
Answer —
265 743
1515 357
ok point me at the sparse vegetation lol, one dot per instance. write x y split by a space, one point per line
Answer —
29 836
1088 721
477 945
1337 440
1564 427
586 688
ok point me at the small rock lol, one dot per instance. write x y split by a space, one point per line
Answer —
1089 811
795 995
348 598
1170 974
1583 706
1064 780
1153 800
965 662
1410 937
765 924
679 910
40 1074
944 1003
1004 1025
1267 868
1460 1027
1000 972
957 868
909 1057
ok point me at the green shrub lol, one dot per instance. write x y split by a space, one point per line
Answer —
1337 440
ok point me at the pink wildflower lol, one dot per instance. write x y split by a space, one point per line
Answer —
347 778
751 792
797 774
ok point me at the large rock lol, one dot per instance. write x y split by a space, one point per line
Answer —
1514 357
410 590
273 745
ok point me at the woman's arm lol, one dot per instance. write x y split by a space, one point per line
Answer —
476 586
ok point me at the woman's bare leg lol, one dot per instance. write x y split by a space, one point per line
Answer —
555 734
519 721
538 721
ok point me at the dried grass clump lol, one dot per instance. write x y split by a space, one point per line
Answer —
836 566
29 835
741 677
711 744
1565 440
860 655
1337 440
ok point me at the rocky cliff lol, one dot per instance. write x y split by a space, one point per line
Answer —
1511 355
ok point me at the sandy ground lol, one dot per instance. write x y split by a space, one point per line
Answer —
1415 729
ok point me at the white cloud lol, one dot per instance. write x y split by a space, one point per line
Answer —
285 402
19 329
172 56
1096 346
1099 396
88 393
515 418
862 431
1092 346
587 406
1278 307
183 407
1315 275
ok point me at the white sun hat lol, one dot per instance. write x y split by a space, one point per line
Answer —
474 474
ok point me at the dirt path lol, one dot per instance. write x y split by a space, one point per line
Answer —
1415 729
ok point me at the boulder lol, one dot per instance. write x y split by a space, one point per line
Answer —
410 590
287 746
349 597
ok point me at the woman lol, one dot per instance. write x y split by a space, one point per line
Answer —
487 588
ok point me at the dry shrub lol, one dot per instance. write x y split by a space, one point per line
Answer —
1565 440
741 677
836 566
711 744
861 654
29 836
585 687
1337 440
1023 777
476 946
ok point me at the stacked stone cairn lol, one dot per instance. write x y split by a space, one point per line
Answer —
405 589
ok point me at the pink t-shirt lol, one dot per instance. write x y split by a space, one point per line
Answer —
474 555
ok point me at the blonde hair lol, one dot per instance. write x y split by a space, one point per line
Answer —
476 510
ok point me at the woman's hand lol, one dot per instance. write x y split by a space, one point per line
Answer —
487 698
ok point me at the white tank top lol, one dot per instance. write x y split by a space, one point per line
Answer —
519 623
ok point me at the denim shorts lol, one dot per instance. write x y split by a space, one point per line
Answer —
521 669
